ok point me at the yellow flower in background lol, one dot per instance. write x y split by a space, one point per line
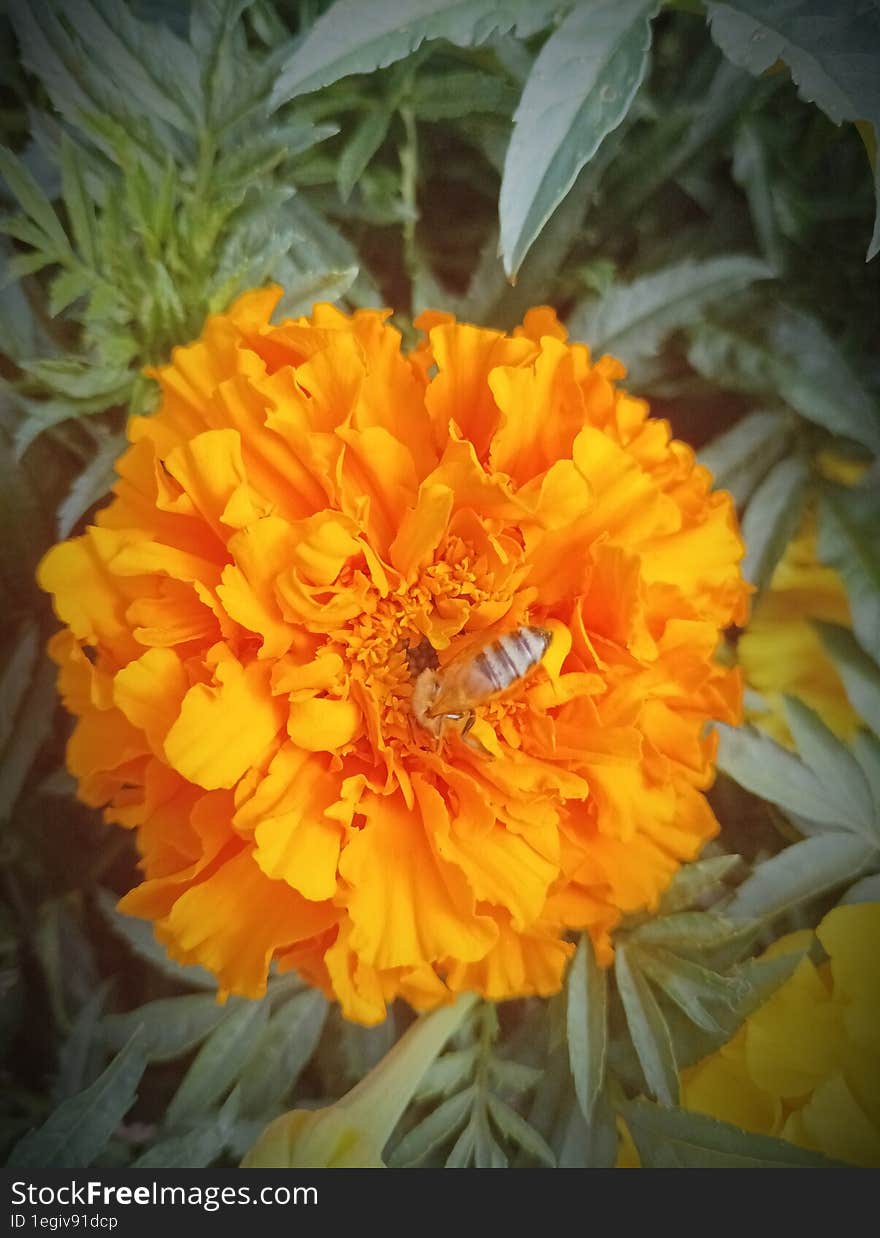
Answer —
306 526
781 652
806 1065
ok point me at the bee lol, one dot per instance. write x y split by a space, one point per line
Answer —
449 694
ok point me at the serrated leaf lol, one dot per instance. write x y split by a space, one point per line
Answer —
586 1016
866 750
859 672
848 541
448 1074
831 52
197 1149
447 96
515 1128
794 360
834 765
202 1145
33 725
92 484
631 320
218 1064
139 935
802 871
751 172
77 201
366 138
81 1127
33 202
689 931
740 457
74 1054
157 69
16 676
282 1052
695 881
434 1130
648 1029
67 288
772 518
688 984
767 769
510 1076
672 1138
580 88
171 1026
77 379
357 36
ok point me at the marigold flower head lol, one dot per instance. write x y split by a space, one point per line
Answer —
310 519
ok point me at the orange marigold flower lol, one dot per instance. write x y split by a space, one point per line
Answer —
307 525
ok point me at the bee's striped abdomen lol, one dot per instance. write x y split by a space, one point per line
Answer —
512 656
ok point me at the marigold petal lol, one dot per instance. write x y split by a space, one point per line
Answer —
222 730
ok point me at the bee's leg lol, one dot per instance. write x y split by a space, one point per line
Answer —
471 719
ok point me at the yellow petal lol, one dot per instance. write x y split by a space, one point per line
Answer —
223 730
322 724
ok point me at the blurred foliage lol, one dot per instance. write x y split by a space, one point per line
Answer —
690 196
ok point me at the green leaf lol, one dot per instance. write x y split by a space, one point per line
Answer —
848 524
669 1138
859 672
448 1074
16 677
92 484
802 871
170 1026
448 96
515 1128
865 891
690 986
139 936
157 69
218 1064
366 138
647 1028
831 52
68 287
771 519
695 881
690 932
78 202
866 749
789 355
76 379
197 1149
34 203
750 170
586 1015
283 1051
33 725
580 88
81 1127
767 769
835 767
80 1045
433 1131
632 320
740 457
357 36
